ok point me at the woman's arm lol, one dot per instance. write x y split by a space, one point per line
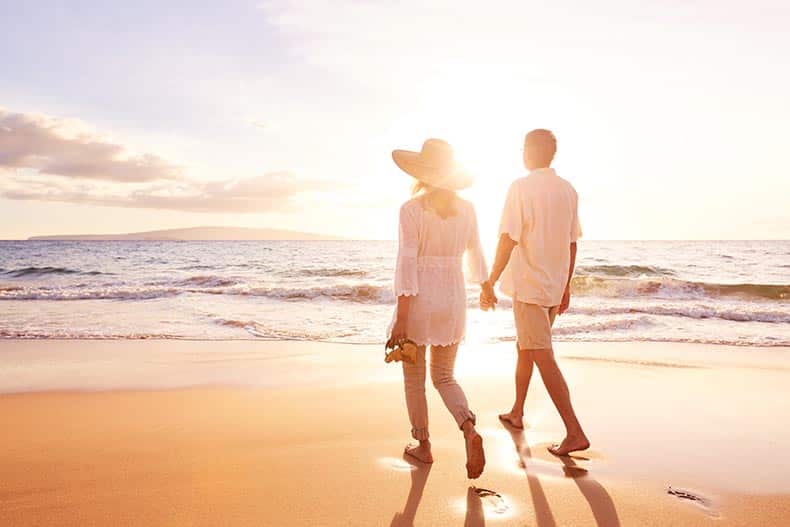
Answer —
476 267
401 321
406 277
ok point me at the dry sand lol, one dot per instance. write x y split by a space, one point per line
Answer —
311 434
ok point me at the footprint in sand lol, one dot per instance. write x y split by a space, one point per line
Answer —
694 498
397 464
493 502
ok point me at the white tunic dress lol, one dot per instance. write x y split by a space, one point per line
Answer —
430 268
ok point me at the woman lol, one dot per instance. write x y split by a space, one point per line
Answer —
436 229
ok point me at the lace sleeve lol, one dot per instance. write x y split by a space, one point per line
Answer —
476 268
406 282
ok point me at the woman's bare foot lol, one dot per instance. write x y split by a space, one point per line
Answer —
513 420
570 444
421 452
475 455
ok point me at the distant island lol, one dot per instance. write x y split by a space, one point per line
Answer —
197 233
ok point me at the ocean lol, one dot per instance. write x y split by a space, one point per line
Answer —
716 292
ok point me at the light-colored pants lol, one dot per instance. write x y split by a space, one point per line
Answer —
442 366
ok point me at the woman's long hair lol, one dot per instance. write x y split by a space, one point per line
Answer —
443 202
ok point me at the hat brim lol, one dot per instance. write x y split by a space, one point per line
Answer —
452 178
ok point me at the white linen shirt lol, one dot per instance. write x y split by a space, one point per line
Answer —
541 215
430 269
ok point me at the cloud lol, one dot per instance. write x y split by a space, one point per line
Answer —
269 192
62 147
48 159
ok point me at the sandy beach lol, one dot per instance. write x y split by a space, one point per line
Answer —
255 433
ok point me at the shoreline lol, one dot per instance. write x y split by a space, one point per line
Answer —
41 365
307 434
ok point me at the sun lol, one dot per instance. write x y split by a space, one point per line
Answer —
479 115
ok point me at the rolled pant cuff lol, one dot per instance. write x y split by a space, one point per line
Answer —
464 416
420 434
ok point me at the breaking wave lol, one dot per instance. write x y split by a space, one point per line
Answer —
592 285
624 270
42 271
335 273
365 293
690 311
381 292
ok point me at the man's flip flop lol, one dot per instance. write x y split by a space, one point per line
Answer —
507 422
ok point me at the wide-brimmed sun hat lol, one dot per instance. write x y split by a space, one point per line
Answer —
434 165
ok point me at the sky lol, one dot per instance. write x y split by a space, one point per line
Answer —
671 117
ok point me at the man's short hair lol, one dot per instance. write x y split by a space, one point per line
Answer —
540 145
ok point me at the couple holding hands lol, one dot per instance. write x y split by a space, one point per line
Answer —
535 258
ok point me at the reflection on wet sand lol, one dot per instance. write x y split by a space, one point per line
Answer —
600 502
475 514
419 477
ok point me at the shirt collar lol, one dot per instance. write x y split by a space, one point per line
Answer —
547 171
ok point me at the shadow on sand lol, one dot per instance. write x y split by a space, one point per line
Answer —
419 477
600 502
475 513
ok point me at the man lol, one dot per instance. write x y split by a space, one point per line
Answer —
541 222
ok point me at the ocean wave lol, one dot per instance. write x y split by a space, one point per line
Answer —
380 292
208 281
689 311
606 325
761 342
86 335
81 294
367 293
594 327
258 330
624 270
196 267
336 273
590 285
40 271
364 293
253 333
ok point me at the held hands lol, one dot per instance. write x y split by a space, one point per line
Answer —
488 299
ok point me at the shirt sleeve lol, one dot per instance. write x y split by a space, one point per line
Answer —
406 283
512 222
476 268
576 226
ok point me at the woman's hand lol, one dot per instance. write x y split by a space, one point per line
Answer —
398 333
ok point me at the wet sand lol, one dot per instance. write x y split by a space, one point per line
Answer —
250 433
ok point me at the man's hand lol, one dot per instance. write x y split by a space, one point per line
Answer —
566 300
488 297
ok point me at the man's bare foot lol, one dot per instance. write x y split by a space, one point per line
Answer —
421 452
570 444
475 455
513 420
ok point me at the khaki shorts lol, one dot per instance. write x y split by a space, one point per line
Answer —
533 325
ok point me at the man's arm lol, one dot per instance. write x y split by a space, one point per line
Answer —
566 296
503 251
